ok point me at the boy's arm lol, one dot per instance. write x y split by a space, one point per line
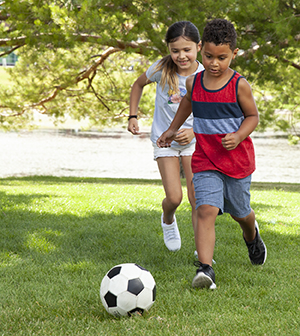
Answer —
248 106
184 110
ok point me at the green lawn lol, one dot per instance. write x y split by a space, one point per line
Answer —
59 237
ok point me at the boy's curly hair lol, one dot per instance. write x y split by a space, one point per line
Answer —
220 31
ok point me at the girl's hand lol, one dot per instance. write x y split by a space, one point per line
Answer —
166 138
231 141
133 126
184 136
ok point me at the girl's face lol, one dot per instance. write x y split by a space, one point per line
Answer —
216 59
184 54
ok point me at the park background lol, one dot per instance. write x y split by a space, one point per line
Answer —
79 194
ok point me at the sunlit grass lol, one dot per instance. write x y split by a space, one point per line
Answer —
59 237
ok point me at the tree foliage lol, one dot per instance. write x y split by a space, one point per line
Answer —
75 56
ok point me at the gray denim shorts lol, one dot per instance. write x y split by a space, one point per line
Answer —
224 192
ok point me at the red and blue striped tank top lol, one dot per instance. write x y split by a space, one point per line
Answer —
217 113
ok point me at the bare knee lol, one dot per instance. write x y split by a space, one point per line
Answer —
206 211
173 200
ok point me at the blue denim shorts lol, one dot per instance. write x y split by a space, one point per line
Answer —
224 192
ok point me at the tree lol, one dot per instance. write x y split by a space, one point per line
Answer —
74 56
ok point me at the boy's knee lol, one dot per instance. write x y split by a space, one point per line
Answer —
206 210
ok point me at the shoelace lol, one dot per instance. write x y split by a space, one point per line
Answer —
198 264
171 234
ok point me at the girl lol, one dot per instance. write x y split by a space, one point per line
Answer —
170 73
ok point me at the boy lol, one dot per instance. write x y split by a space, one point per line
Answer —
225 114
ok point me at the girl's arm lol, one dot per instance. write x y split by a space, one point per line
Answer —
248 106
135 96
184 110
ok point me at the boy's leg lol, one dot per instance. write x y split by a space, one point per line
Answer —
209 202
256 247
205 242
247 224
237 195
205 232
170 174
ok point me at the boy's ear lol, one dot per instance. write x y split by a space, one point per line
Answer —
235 51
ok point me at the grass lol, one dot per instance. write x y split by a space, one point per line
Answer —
59 237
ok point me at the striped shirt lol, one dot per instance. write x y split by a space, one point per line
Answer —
216 113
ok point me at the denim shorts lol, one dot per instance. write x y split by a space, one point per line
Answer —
186 150
229 194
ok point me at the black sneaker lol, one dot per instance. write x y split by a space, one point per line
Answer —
257 249
205 276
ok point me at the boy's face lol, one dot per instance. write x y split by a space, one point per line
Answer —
216 59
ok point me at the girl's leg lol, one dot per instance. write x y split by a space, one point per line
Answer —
205 233
187 168
169 169
170 173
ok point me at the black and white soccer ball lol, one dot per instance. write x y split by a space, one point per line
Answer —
126 289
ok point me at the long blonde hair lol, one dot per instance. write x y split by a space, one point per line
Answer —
188 31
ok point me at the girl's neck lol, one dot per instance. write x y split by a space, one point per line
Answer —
189 71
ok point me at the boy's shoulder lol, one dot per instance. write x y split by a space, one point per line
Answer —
190 81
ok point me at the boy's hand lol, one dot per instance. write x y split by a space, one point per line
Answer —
184 136
231 141
166 138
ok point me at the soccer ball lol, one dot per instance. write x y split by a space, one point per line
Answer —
126 289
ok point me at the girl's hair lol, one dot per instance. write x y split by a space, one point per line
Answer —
188 31
220 31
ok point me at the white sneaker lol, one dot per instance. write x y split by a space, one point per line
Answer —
171 235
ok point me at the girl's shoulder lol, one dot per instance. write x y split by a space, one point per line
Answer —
153 72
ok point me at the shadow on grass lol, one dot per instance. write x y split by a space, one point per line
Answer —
108 238
53 265
52 179
291 187
70 254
